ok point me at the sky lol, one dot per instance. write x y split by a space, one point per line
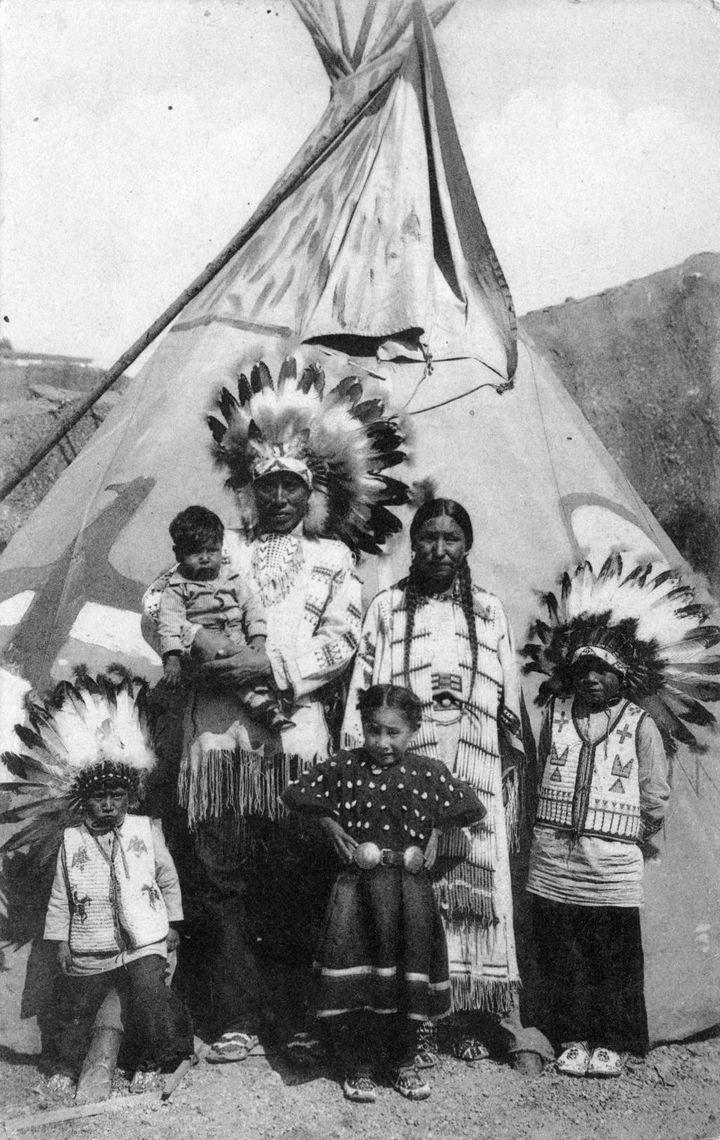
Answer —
136 137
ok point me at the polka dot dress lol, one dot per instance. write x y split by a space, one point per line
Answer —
383 945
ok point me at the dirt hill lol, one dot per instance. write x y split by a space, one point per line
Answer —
643 363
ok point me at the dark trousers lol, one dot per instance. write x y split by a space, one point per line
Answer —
153 1019
254 898
590 962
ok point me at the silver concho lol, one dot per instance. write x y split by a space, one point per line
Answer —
413 860
367 856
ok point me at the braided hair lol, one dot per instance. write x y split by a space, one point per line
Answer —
391 697
415 593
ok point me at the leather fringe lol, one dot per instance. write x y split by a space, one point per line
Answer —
469 993
465 892
243 782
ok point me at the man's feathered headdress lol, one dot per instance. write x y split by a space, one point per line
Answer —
648 625
338 442
83 735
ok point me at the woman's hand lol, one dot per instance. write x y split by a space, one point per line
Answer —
64 957
173 940
431 849
243 666
343 843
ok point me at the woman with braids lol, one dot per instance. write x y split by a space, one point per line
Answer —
448 640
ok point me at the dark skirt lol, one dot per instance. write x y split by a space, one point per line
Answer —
382 947
590 962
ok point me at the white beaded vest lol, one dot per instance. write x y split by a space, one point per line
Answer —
591 787
115 903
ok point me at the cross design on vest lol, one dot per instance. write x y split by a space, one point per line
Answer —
624 734
153 894
80 858
137 845
79 905
561 721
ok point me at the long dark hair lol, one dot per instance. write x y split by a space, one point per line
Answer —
414 591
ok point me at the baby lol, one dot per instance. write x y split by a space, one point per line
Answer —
207 611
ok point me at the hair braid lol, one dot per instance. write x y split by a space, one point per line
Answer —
466 600
412 600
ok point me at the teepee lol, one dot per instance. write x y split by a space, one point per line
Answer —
371 246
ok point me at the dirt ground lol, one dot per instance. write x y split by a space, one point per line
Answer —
674 1094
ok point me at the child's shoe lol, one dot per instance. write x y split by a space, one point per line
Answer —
61 1083
470 1050
276 720
410 1084
574 1059
426 1045
359 1086
605 1063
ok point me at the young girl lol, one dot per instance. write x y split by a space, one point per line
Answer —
381 962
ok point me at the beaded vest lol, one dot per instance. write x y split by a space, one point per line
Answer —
115 903
592 787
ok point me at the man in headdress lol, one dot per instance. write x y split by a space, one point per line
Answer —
306 471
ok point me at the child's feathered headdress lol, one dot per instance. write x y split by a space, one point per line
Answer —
81 736
648 625
338 442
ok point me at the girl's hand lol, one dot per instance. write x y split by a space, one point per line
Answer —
343 843
64 957
173 940
431 849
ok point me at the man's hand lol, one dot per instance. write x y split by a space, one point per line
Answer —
243 666
64 957
343 843
173 940
431 849
172 671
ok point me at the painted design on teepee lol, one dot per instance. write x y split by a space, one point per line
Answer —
82 573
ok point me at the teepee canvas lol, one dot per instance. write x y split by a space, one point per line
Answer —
372 246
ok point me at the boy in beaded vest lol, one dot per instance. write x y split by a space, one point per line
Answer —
626 656
603 790
115 897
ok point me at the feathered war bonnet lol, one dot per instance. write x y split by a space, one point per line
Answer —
647 624
81 736
338 441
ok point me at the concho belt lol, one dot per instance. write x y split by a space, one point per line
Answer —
369 855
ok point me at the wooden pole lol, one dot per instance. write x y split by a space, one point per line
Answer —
320 146
175 1078
78 1112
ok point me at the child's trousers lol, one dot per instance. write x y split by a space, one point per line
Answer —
154 1020
591 967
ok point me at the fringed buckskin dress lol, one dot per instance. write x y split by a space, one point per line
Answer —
382 949
472 874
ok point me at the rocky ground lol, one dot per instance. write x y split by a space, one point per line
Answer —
674 1094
